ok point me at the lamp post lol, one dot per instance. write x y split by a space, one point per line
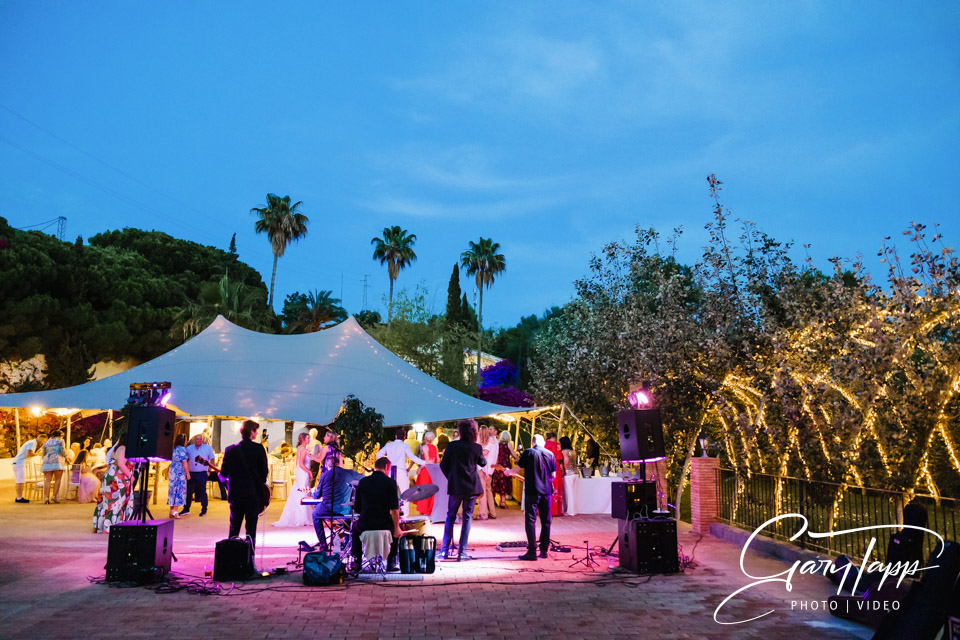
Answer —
703 444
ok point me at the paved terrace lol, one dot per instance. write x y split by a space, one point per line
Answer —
48 556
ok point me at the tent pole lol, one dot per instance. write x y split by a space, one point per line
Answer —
68 430
16 417
560 422
602 448
110 421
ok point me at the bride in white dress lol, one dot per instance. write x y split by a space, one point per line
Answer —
294 514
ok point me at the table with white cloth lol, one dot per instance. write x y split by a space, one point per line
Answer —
592 495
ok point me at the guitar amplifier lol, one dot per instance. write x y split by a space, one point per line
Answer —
629 500
139 552
233 560
649 546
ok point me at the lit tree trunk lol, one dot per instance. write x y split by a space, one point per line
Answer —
479 333
691 444
273 280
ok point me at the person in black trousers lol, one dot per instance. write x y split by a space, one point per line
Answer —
459 464
539 468
245 467
378 502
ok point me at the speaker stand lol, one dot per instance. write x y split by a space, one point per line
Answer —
142 511
143 477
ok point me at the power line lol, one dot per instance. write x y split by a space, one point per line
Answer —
107 164
116 194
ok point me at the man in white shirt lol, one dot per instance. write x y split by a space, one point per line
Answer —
399 453
198 454
29 449
486 504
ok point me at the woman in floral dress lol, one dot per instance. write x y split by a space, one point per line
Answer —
116 491
179 473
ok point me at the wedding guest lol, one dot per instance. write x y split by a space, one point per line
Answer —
487 503
72 453
28 450
556 500
54 464
501 484
179 474
431 456
89 482
116 491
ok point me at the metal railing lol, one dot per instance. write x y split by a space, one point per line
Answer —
750 502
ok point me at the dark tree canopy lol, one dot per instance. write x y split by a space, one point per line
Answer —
113 299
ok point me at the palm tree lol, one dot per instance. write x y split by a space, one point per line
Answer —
319 311
283 224
483 261
395 249
239 303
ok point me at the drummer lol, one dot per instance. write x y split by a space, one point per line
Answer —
378 503
334 489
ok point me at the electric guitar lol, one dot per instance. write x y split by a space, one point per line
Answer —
210 464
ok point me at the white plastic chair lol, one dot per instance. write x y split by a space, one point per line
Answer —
280 482
33 479
73 478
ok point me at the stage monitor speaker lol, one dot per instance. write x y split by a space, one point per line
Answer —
641 435
649 546
139 551
629 500
150 434
233 560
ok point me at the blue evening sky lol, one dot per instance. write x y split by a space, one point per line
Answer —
552 128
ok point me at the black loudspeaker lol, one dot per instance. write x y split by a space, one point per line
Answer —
150 434
631 500
139 552
649 546
641 435
233 560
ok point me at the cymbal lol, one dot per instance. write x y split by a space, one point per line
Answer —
419 492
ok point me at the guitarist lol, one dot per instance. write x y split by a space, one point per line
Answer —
199 455
245 466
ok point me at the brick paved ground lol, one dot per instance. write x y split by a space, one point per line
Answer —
47 554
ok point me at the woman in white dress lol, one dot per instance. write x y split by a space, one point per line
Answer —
294 514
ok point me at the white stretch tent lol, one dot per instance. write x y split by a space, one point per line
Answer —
229 371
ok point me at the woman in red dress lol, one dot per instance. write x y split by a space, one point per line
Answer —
556 500
428 451
501 484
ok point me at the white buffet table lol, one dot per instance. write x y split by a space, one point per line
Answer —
591 495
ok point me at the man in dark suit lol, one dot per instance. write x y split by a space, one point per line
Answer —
459 464
539 468
245 467
378 503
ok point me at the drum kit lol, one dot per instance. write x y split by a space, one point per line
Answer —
341 526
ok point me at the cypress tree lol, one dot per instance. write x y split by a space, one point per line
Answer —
454 317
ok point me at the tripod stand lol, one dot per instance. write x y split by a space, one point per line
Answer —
586 560
143 477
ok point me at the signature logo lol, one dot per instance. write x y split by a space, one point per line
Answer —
826 567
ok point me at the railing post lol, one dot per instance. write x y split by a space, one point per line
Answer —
704 493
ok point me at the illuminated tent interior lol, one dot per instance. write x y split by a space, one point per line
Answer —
230 372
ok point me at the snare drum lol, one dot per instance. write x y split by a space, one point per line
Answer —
415 523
